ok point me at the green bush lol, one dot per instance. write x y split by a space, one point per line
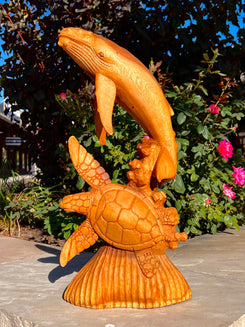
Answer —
207 112
202 120
36 206
120 148
10 187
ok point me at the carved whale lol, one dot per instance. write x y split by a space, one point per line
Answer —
122 78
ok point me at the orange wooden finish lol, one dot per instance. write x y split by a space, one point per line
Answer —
138 228
113 279
132 269
121 77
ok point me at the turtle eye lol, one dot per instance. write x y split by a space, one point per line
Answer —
101 54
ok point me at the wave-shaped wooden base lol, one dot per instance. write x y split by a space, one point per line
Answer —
113 279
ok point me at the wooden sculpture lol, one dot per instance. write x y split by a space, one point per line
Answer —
131 269
121 77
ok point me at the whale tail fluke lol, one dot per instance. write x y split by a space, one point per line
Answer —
166 165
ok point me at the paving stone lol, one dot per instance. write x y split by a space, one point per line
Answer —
11 320
32 284
239 323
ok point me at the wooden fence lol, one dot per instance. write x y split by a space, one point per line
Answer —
16 159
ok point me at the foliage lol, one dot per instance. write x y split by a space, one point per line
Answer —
202 121
36 68
36 206
120 148
8 190
37 71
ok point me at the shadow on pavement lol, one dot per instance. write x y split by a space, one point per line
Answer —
58 272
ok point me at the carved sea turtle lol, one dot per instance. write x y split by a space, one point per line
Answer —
121 215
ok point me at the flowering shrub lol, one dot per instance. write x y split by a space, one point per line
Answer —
228 191
213 108
239 176
208 201
202 191
225 149
207 192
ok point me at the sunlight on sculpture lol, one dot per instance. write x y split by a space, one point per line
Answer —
131 269
121 77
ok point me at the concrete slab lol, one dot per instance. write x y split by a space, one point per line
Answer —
239 323
13 249
11 320
32 284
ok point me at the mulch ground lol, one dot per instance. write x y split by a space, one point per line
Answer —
32 234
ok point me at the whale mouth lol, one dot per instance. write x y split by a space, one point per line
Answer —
84 55
64 42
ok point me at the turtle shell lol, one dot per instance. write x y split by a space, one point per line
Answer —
125 218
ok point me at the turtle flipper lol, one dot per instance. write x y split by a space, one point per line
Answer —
86 166
79 202
80 240
147 261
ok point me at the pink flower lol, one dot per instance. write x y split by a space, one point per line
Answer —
63 96
147 137
208 201
239 175
234 128
225 149
213 108
228 191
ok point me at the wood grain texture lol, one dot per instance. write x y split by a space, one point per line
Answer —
120 77
126 285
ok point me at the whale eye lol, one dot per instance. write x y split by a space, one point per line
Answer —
101 54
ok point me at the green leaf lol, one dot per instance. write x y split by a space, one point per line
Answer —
202 212
181 155
80 183
201 87
171 94
195 231
206 57
215 188
200 129
67 234
228 221
198 100
181 118
179 186
205 133
185 133
184 141
213 229
222 74
235 224
88 142
194 177
178 205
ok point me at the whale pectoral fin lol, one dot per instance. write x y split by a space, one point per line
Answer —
100 130
105 92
